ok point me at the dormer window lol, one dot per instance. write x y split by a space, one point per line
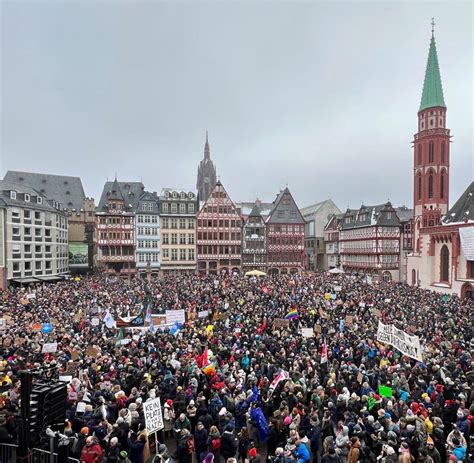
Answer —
389 215
39 200
167 194
27 197
363 217
347 220
183 195
191 195
12 194
175 195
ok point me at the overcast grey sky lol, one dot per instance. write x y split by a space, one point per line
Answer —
322 96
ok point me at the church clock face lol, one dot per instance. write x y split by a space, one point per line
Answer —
206 180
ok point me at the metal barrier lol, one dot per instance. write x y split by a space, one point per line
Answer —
8 454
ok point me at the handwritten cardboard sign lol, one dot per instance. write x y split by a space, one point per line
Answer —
280 323
91 352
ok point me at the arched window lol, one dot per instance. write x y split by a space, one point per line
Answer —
413 277
430 185
444 264
441 186
419 186
443 152
420 152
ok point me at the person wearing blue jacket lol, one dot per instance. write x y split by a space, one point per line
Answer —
302 452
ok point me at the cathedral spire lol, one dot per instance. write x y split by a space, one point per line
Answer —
432 95
207 151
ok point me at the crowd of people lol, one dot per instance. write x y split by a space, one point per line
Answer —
240 379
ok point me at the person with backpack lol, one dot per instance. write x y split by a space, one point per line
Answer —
185 448
214 442
229 443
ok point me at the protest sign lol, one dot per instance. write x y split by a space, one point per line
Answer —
153 415
307 332
406 344
65 378
49 347
46 328
203 313
385 391
81 407
280 323
349 320
91 352
327 296
75 355
95 321
72 367
2 324
175 316
337 289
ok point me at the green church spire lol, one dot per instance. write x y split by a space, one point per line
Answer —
432 89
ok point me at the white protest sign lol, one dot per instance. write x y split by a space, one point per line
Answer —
337 288
95 321
66 378
203 313
81 407
307 332
406 344
175 316
2 324
49 347
153 415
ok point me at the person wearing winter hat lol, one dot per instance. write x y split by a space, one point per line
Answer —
432 451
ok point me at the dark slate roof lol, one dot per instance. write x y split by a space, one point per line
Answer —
404 213
64 189
131 192
115 192
255 212
279 206
463 209
148 197
367 216
6 200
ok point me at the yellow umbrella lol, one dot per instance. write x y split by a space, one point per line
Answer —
255 273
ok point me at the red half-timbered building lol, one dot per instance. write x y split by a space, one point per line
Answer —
219 234
285 236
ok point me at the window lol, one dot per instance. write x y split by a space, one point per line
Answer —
470 268
182 254
164 223
37 215
191 208
38 265
182 239
15 231
48 264
190 254
12 194
444 264
174 238
420 152
182 208
190 239
431 152
281 214
191 224
174 223
166 254
441 186
27 231
430 185
443 152
27 197
164 207
39 200
174 208
419 186
166 239
182 223
174 254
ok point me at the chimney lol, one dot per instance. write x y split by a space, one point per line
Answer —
258 203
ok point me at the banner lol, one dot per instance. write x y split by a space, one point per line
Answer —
280 323
50 347
153 415
406 344
307 332
282 376
78 255
175 316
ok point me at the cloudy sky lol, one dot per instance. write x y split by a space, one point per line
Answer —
322 96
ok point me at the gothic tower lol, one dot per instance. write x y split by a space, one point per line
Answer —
431 151
206 176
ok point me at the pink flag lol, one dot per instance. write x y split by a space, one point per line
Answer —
324 352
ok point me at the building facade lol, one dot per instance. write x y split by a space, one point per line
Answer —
316 217
33 236
371 240
331 241
443 240
219 234
178 209
254 240
285 236
80 211
206 175
115 228
147 234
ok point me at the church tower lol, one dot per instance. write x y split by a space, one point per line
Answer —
431 151
206 176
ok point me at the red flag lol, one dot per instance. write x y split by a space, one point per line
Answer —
265 289
262 327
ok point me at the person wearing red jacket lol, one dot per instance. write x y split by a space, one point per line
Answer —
91 452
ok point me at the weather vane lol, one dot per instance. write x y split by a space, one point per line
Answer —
432 27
